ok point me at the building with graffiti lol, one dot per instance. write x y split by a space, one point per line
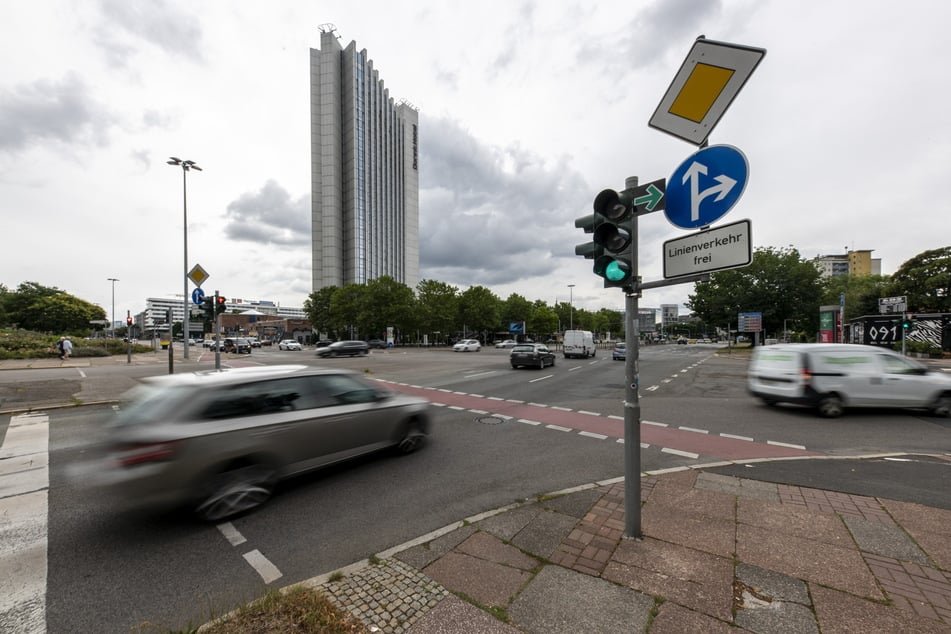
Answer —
887 330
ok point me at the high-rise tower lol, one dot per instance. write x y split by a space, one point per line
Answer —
364 171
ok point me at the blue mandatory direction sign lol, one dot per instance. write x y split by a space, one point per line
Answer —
197 296
706 186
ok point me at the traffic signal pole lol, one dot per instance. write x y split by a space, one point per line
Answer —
632 404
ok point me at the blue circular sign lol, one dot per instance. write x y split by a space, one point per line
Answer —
197 296
706 186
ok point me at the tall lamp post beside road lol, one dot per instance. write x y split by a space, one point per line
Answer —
112 323
185 165
571 307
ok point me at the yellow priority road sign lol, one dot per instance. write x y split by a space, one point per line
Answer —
198 275
706 84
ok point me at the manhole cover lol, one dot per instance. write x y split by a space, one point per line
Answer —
490 420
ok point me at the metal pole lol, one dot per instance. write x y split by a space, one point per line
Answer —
632 405
171 359
128 350
185 325
571 307
217 334
112 327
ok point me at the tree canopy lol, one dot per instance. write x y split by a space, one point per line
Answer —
41 308
926 281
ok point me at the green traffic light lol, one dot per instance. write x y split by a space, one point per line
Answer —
616 271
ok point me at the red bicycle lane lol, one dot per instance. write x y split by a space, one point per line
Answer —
612 427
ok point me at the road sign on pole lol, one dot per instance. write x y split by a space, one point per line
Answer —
706 84
892 304
706 186
725 247
198 296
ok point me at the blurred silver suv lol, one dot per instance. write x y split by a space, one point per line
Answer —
220 441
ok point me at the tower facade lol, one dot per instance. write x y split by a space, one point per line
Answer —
364 171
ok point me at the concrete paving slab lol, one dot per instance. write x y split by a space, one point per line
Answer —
455 616
807 559
885 540
794 520
487 582
574 504
929 527
693 578
544 533
507 525
773 584
676 619
559 601
421 556
491 548
703 532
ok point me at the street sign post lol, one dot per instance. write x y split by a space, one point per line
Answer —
706 186
888 305
725 247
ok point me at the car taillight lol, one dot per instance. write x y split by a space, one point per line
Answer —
806 375
142 453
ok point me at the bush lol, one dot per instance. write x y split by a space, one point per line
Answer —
25 344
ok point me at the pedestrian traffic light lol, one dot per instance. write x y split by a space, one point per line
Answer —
614 238
221 306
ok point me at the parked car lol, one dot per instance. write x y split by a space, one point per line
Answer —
237 345
508 343
213 345
376 343
535 355
620 351
208 343
467 345
834 377
290 344
682 341
344 349
208 439
254 342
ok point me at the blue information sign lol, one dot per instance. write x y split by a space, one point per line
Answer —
197 296
706 186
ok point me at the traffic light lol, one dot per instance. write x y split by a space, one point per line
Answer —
128 321
907 322
614 239
208 308
220 307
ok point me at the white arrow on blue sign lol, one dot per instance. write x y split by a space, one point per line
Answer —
706 186
197 296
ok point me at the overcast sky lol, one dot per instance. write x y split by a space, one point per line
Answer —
527 110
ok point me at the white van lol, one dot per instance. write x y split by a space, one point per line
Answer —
578 343
832 377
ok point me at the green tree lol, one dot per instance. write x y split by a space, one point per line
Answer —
926 281
479 310
317 308
778 283
516 309
437 307
346 308
386 302
543 322
861 293
48 309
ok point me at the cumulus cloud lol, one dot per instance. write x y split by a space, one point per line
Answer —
61 111
491 215
158 22
269 217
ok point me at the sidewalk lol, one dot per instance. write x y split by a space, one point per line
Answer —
719 554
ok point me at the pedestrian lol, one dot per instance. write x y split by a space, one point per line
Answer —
61 346
67 347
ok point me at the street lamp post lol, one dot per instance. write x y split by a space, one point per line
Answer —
112 323
571 307
186 166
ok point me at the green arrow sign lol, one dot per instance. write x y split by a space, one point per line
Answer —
651 197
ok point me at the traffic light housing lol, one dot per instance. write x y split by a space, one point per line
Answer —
907 322
613 238
208 308
128 321
220 307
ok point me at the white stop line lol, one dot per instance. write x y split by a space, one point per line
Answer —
24 487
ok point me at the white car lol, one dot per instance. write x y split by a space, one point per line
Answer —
508 343
290 344
467 345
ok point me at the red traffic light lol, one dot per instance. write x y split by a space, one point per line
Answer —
128 321
221 300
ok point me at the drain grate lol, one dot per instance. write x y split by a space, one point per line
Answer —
490 420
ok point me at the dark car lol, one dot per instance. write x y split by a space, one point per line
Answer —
321 343
376 343
344 349
620 352
219 442
237 345
533 355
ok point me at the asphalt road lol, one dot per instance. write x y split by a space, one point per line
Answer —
111 570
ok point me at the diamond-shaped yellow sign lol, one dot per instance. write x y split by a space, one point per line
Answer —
198 275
